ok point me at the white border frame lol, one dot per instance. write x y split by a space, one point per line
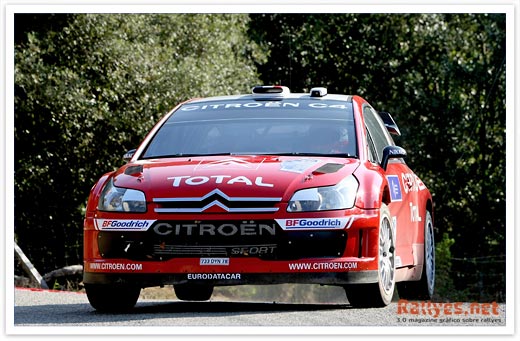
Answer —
10 7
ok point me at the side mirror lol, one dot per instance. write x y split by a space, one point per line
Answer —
389 122
392 152
129 155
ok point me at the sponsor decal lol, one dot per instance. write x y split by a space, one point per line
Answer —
208 229
414 213
322 266
122 224
398 261
214 261
395 188
298 166
325 105
116 266
412 183
315 223
217 179
394 226
253 250
212 276
273 104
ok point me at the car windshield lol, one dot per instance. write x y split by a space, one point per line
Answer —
248 127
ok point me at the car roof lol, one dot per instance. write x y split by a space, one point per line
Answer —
267 97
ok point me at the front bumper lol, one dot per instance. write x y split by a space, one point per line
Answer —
242 272
245 252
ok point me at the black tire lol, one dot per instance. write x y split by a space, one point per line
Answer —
378 294
193 292
112 298
424 288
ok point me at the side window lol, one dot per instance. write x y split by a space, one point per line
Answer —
380 136
372 156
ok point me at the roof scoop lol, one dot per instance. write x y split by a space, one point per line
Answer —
318 92
271 90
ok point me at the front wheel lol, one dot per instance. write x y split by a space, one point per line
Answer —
112 298
378 294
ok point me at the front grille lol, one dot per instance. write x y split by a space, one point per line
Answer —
181 239
219 199
214 250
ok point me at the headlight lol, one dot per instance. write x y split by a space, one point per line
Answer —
121 199
338 197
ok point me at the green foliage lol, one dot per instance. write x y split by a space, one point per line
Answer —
444 287
88 92
442 76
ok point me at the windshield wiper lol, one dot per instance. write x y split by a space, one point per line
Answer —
308 154
183 155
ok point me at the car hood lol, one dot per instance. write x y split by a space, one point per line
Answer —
234 176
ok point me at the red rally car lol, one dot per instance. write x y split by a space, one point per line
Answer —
266 188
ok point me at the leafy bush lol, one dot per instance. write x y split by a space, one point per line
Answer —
89 91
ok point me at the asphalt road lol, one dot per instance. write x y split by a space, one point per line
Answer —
36 308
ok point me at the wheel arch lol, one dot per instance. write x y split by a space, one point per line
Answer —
371 177
429 207
385 194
